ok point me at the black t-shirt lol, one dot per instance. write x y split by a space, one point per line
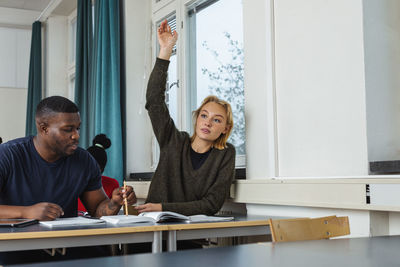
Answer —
26 178
198 158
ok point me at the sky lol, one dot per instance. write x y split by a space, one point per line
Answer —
212 23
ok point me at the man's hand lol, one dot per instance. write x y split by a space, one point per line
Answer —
43 211
149 207
120 193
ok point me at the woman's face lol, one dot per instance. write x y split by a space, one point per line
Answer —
211 122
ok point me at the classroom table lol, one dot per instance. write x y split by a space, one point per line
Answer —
362 252
42 237
240 226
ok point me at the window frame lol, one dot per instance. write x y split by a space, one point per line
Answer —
71 54
161 10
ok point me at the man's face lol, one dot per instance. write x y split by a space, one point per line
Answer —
62 133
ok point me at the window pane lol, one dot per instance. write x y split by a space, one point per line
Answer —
216 59
72 44
171 97
172 89
71 87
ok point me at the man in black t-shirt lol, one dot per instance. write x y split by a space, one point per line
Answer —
42 176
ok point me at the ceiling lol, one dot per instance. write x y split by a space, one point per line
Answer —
36 5
64 8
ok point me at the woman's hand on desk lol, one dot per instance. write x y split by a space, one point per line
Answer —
149 207
43 211
119 194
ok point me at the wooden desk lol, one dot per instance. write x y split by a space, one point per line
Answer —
357 252
241 226
41 237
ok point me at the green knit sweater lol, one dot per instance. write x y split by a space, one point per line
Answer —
175 184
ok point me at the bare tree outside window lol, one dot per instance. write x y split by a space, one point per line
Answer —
226 81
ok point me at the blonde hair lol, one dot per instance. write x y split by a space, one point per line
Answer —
220 142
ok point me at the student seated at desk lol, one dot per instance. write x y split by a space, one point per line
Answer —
195 172
42 176
98 151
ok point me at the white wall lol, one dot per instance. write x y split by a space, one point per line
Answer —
259 89
305 89
319 103
14 68
382 62
56 56
14 55
320 93
394 223
12 112
138 65
15 26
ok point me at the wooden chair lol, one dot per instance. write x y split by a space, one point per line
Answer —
308 228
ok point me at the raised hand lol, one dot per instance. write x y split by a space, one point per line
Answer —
166 39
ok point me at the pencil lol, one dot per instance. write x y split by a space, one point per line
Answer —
125 201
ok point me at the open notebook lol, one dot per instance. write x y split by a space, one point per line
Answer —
162 216
153 217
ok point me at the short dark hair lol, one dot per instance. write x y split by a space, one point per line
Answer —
57 104
98 150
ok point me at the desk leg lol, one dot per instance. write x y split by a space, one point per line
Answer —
157 242
171 246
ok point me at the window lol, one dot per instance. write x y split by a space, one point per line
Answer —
171 97
208 60
71 86
71 54
72 36
215 31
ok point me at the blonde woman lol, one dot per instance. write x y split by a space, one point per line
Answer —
194 173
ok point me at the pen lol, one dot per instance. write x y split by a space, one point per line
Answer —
125 201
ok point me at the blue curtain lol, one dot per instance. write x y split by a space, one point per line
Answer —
35 78
84 91
107 82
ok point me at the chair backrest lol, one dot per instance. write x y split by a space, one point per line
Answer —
109 184
308 228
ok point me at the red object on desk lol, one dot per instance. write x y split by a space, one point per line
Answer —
109 184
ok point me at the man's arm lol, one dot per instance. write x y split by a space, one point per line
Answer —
43 211
98 204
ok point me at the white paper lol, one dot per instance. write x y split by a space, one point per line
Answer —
126 219
159 216
73 221
205 218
